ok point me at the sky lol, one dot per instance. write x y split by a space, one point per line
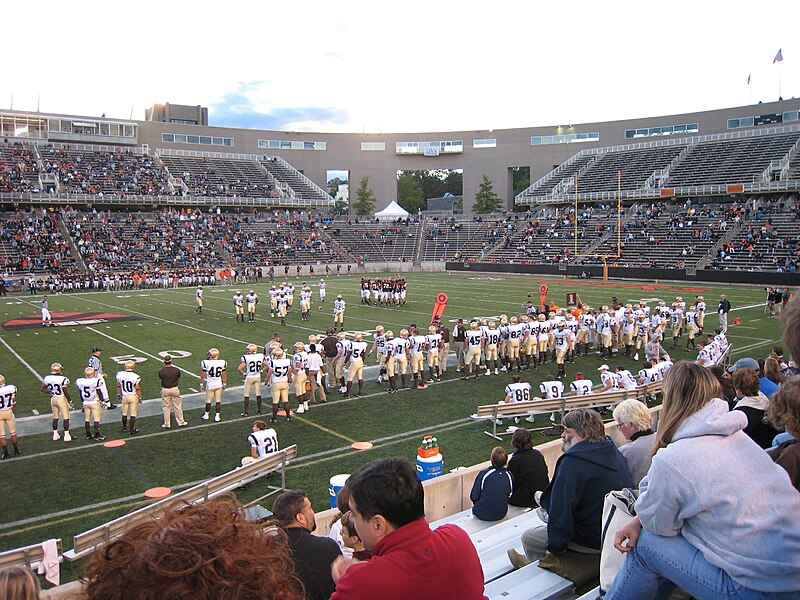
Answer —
373 67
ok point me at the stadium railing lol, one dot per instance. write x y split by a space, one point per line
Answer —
86 542
28 556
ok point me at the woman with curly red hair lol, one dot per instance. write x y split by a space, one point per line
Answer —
199 552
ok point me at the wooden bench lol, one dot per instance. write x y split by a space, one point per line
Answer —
562 406
27 556
86 542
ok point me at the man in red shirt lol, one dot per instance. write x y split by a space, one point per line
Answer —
409 560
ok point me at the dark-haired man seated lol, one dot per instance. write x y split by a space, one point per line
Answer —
409 560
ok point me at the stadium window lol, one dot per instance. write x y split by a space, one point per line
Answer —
541 140
291 145
791 115
205 140
373 146
168 137
487 143
663 130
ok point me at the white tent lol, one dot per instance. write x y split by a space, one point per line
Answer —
392 212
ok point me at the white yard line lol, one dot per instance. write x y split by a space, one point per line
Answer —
22 360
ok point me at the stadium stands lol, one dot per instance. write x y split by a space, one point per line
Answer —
33 242
462 239
298 185
207 176
378 240
19 169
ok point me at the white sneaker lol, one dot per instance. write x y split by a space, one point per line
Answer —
56 436
636 356
300 410
305 405
67 436
530 419
496 372
488 372
216 418
205 416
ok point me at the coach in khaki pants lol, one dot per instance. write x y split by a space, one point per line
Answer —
170 394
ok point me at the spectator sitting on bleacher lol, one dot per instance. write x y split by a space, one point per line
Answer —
635 423
492 488
698 528
409 560
754 404
784 411
528 468
590 467
200 551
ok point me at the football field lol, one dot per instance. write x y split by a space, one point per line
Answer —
58 489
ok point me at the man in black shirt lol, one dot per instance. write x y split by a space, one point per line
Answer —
313 555
330 351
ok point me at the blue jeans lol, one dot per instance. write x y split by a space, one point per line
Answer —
658 564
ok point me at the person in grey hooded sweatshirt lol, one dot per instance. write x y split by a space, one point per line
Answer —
716 516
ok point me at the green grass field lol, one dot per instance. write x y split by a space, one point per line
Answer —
58 490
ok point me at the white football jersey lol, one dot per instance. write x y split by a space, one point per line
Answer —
8 395
127 381
238 300
253 364
418 344
280 369
401 346
626 379
434 340
265 441
474 338
87 389
56 384
650 375
581 387
252 299
213 368
358 350
608 377
552 390
518 392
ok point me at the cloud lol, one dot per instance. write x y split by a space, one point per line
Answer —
238 109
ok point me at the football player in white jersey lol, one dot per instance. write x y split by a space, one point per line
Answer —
55 385
213 378
198 296
474 339
517 391
701 313
273 301
238 306
676 317
402 348
250 367
626 380
282 307
434 342
418 345
305 302
379 348
550 389
609 379
585 326
340 362
650 373
129 392
263 440
563 342
300 377
359 349
691 327
290 295
90 390
572 326
530 343
388 345
339 306
491 343
543 338
321 285
8 422
278 377
252 300
581 386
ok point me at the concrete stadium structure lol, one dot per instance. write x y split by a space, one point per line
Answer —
379 156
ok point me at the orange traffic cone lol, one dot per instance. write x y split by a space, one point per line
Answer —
737 321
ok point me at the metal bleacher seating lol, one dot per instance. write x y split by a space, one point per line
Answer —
210 176
635 167
730 161
470 239
19 169
378 241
